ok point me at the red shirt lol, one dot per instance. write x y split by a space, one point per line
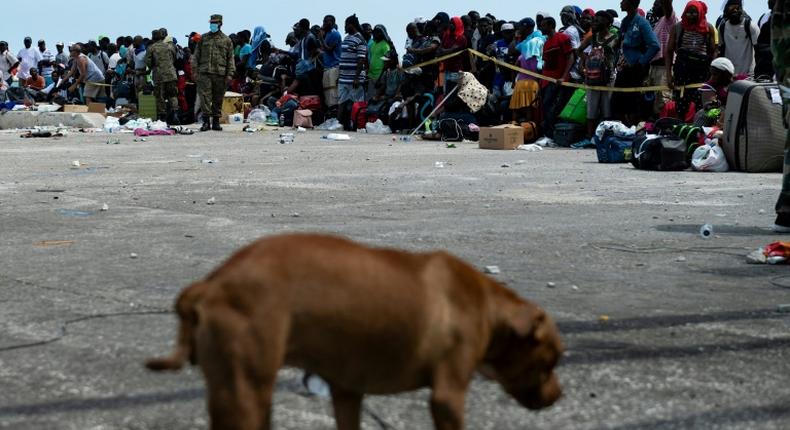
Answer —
36 84
555 56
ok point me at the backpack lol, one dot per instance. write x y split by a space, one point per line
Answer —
181 57
598 69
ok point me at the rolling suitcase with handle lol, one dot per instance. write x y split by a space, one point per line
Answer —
754 133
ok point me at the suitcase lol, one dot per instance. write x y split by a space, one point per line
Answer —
567 133
754 133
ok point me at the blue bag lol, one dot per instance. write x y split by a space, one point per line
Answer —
614 149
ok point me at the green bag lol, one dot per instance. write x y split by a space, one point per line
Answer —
576 109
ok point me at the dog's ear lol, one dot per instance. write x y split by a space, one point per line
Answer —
527 320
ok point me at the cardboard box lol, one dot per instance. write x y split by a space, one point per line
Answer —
75 109
233 103
97 108
501 137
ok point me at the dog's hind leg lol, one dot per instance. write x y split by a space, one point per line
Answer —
348 408
240 365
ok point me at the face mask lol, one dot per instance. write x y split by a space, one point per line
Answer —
214 28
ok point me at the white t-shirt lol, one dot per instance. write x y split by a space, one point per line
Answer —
28 57
47 56
6 61
114 59
738 47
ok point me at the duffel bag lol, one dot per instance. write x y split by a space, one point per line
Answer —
614 149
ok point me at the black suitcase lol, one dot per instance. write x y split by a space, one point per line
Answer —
568 133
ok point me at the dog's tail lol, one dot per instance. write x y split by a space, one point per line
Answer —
186 307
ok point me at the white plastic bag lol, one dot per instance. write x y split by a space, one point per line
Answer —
709 158
259 116
331 124
377 127
111 125
618 128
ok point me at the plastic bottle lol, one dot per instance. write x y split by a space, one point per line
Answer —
706 231
281 121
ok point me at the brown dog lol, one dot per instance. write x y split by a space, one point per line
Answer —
367 320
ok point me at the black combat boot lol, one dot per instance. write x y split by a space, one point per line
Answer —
206 124
215 124
172 117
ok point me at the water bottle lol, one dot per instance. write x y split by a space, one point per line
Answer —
706 231
281 121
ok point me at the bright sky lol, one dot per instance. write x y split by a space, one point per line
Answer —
82 20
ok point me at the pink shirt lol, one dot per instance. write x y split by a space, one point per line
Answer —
663 29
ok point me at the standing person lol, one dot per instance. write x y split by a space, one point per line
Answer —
571 27
46 65
87 73
692 47
61 57
381 46
453 41
780 43
213 67
7 61
764 59
353 63
638 46
330 44
558 59
665 20
98 56
598 65
136 60
737 37
160 58
28 57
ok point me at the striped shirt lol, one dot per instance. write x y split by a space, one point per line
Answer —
354 48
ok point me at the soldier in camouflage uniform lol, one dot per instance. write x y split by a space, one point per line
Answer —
780 40
160 58
213 67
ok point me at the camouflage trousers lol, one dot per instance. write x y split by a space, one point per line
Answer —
211 90
780 40
165 92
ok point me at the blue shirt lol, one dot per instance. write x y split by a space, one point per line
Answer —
331 58
354 49
640 44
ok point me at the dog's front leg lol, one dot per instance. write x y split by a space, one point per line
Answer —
348 408
450 382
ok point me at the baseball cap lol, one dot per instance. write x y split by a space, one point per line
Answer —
507 26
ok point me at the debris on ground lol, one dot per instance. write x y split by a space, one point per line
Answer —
211 201
531 147
105 207
50 243
551 285
706 231
133 255
603 318
774 253
492 270
439 164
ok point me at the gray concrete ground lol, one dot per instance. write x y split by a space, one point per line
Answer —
693 340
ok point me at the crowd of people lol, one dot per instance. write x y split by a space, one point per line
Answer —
338 69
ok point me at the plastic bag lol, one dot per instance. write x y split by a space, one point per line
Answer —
332 124
377 127
259 116
709 158
576 109
111 125
616 127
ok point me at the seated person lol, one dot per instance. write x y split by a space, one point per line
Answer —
35 84
388 88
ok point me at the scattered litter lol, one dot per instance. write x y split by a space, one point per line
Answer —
74 213
301 129
50 191
532 147
783 308
154 132
492 270
451 146
774 253
76 164
41 134
209 161
211 201
295 215
105 207
315 385
439 164
544 141
520 162
49 243
336 136
286 138
259 116
551 285
113 141
706 231
505 166
142 139
603 318
761 211
133 255
574 288
681 259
